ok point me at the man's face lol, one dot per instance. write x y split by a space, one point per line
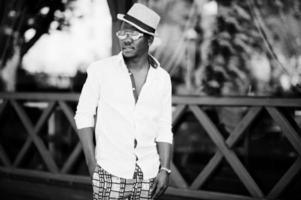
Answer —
132 48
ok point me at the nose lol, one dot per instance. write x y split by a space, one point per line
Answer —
128 40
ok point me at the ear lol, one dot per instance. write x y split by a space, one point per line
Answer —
150 40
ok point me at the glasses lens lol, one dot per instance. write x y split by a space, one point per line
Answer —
121 35
134 35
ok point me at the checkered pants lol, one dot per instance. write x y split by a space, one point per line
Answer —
107 186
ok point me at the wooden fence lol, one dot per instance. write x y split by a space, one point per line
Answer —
33 129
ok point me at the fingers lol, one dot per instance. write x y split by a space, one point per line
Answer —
154 187
158 190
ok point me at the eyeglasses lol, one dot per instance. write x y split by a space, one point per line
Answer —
134 35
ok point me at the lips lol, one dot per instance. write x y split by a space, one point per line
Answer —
127 49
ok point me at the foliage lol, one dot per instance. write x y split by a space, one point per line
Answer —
18 16
226 71
23 22
249 43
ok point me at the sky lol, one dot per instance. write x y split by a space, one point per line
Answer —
65 52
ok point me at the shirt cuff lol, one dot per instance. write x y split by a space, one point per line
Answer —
84 122
166 136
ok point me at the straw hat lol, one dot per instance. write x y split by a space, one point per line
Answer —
142 18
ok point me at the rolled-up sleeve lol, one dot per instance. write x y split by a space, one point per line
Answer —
88 100
165 119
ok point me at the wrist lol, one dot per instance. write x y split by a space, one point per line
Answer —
165 169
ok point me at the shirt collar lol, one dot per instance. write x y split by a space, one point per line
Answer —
153 61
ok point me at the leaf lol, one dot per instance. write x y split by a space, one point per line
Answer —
224 35
227 44
242 36
234 21
239 42
242 12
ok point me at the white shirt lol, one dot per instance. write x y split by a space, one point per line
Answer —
120 120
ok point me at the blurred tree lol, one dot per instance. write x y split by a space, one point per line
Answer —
279 23
224 67
22 23
256 48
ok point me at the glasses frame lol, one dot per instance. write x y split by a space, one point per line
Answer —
129 34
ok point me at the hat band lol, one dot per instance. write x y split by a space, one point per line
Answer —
139 23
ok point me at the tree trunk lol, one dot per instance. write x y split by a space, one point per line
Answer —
9 72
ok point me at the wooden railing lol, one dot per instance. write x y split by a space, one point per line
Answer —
37 133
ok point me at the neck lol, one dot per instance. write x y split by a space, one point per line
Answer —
137 63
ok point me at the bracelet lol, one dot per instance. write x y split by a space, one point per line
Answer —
166 169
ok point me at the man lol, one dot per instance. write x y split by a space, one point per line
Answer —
132 94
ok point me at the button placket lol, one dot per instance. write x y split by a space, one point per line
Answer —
133 85
135 94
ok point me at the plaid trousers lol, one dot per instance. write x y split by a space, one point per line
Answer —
107 186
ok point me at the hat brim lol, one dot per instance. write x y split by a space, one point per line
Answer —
121 17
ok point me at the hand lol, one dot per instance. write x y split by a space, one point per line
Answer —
160 184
